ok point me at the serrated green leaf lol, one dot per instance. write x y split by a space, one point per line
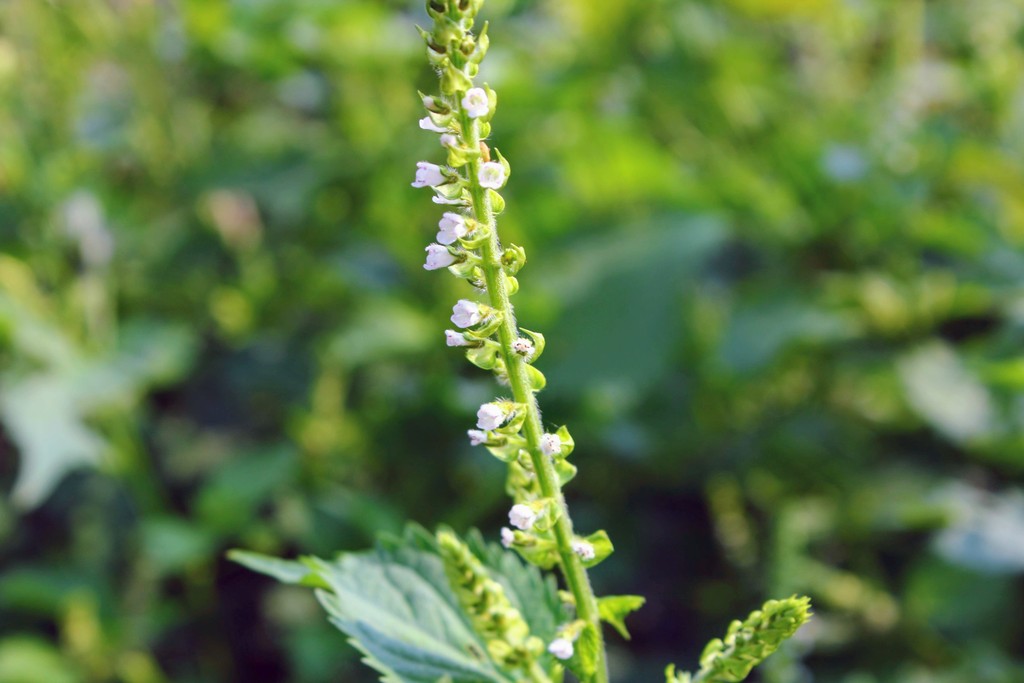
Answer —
397 607
614 609
399 611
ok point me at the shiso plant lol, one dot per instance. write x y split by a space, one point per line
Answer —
424 607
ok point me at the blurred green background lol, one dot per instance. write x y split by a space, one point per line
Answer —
775 246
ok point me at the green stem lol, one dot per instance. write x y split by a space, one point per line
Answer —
572 567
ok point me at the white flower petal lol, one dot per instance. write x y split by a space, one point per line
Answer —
453 338
475 103
426 123
550 444
428 175
438 257
561 648
466 313
491 174
522 516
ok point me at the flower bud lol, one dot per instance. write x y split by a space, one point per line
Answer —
434 105
508 537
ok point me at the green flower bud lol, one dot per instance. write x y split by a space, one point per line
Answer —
748 643
513 258
483 599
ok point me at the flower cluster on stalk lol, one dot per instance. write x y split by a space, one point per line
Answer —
466 244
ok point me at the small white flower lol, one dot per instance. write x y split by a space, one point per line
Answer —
453 338
522 346
490 416
438 257
438 199
453 227
561 648
508 537
428 175
475 103
426 123
476 437
522 516
583 550
550 444
491 174
466 313
448 140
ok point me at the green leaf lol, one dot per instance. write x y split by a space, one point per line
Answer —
397 607
285 571
614 609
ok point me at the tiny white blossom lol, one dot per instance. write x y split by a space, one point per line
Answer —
448 140
476 437
584 550
453 227
490 416
453 338
466 313
491 174
561 648
522 516
475 103
438 257
428 175
508 537
426 123
438 199
550 444
522 346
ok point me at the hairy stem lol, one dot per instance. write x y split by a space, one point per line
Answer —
572 567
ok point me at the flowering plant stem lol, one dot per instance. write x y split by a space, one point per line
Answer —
575 573
519 645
